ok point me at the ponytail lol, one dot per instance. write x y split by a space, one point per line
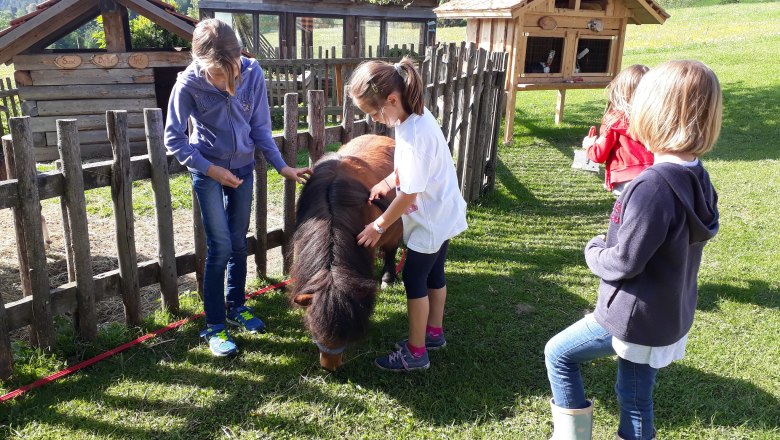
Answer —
373 81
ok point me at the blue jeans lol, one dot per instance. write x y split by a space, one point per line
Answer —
584 341
225 212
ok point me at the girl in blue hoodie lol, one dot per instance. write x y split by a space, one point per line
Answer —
224 93
649 260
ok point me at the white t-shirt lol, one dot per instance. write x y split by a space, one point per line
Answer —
423 166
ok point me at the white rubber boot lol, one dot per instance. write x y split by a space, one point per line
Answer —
572 424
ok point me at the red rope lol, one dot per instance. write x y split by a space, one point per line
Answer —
84 364
91 361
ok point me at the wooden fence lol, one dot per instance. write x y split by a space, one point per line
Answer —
9 103
465 99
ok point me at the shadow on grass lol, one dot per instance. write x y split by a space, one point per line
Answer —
757 292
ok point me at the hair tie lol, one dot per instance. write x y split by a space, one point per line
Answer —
400 70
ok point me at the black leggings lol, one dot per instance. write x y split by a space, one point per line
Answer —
424 271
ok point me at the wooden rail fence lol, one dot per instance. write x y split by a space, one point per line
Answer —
467 100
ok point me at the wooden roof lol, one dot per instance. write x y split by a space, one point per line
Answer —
54 19
644 11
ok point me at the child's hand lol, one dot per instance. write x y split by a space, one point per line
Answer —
223 176
379 191
590 139
300 175
369 236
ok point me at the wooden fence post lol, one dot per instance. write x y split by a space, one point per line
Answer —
470 152
348 118
501 96
199 238
166 249
457 98
465 113
21 245
66 233
449 70
30 207
122 196
261 216
316 120
485 122
76 217
436 68
6 355
289 153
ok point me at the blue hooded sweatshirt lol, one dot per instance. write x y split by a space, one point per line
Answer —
226 129
650 261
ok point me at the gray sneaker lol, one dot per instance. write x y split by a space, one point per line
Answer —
431 343
402 360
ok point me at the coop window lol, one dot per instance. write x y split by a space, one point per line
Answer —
319 33
267 35
242 24
369 36
543 55
593 55
402 33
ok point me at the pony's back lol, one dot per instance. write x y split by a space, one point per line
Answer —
328 263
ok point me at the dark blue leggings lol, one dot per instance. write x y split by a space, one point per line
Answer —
424 271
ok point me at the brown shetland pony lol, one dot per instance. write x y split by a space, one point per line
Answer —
334 276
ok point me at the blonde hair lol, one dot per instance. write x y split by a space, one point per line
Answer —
373 81
620 93
678 108
216 46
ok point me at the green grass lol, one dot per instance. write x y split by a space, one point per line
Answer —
515 278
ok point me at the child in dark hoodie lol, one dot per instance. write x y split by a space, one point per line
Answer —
623 156
649 260
224 93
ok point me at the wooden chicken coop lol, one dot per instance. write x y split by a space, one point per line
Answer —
553 44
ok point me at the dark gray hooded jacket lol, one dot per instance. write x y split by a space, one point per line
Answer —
650 261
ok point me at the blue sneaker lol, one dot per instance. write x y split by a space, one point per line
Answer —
402 360
220 342
431 343
243 317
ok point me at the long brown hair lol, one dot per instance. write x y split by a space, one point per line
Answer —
373 81
620 93
215 45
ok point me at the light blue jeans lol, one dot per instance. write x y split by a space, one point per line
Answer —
225 212
585 341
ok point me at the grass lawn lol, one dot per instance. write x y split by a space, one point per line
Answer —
515 278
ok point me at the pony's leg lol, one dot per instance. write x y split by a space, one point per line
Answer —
388 268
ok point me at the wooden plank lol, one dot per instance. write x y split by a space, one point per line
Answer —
160 17
316 120
19 313
98 136
33 234
596 84
561 101
68 145
38 28
21 245
122 198
88 151
89 106
436 77
457 98
486 33
38 62
261 215
531 22
91 76
93 91
348 118
465 114
166 249
116 27
289 153
470 152
6 355
449 72
22 77
472 30
83 122
518 63
498 39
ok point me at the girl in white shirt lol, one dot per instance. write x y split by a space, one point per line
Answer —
427 200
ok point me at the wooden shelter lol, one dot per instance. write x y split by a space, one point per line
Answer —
554 44
82 84
287 28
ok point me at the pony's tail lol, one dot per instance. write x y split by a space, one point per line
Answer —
338 317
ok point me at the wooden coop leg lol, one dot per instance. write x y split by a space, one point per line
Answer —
509 120
559 106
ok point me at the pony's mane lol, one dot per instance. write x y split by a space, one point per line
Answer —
328 262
